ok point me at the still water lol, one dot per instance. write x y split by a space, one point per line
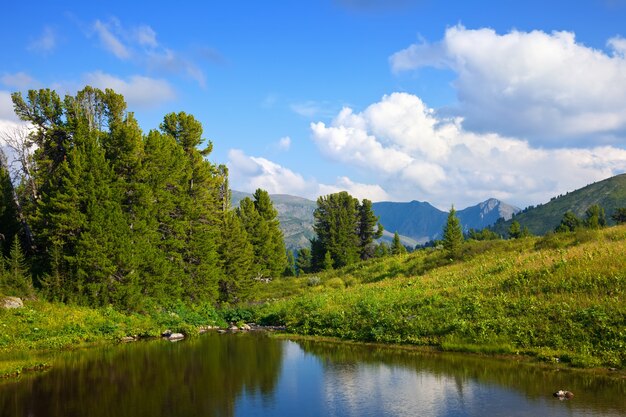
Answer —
256 375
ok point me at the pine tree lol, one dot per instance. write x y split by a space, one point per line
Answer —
595 217
369 229
9 222
237 257
328 261
452 235
569 223
290 269
619 215
397 248
382 250
17 278
515 230
337 229
303 261
277 256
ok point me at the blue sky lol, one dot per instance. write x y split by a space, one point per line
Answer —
450 102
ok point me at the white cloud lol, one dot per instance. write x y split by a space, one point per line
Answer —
6 107
311 109
139 91
19 80
168 61
139 45
284 143
110 41
427 157
544 87
146 36
247 173
45 43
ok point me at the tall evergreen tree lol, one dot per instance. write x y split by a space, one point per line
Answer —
369 229
17 277
237 257
452 235
595 217
397 248
344 228
290 269
277 255
303 261
569 223
9 222
619 215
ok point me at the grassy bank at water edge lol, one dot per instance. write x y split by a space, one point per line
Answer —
558 298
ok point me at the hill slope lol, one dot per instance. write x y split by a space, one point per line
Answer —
609 194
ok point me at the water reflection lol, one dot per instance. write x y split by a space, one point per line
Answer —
201 377
390 382
254 375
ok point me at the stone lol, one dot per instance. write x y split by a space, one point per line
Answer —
175 336
562 394
245 327
127 339
12 302
166 333
233 328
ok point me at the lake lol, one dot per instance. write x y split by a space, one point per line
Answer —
257 375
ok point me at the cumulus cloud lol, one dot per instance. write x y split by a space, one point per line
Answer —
247 173
545 87
45 43
139 91
417 154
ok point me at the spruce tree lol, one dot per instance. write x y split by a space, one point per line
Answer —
237 258
569 223
369 229
595 217
277 256
452 235
303 261
290 269
9 222
397 248
17 278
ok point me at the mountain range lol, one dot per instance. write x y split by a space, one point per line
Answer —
419 222
416 222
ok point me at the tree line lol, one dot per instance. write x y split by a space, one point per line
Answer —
98 212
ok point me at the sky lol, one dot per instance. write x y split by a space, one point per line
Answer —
450 102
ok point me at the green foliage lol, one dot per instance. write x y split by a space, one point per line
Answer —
290 269
328 262
484 234
619 216
397 248
120 217
569 223
345 228
16 279
452 235
303 261
595 217
559 296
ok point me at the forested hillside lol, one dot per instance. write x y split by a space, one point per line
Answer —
100 212
609 194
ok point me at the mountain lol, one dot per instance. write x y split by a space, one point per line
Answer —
416 222
422 222
609 194
295 215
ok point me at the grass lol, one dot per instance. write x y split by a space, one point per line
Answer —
558 298
30 336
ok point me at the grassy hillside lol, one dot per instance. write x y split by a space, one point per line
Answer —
558 298
609 194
